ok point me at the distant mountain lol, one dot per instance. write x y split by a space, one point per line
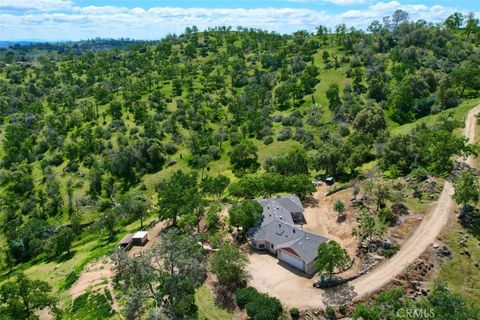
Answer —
6 44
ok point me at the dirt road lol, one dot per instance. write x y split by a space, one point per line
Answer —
301 294
470 130
425 234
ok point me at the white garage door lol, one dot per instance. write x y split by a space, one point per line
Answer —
291 259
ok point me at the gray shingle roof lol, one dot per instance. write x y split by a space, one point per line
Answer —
277 227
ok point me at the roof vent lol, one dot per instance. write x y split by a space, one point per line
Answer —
308 238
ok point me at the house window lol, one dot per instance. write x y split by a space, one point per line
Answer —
261 246
271 246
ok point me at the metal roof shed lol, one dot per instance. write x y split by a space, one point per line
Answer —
140 238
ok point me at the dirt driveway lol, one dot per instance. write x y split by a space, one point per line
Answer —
276 278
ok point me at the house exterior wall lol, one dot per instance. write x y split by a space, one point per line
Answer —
311 267
259 245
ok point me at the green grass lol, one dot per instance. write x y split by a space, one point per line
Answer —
58 272
207 310
459 113
91 305
460 273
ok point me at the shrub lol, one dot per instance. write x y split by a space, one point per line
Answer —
285 134
387 217
330 313
294 313
258 306
264 308
342 309
245 295
267 140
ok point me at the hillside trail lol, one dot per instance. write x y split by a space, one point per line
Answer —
430 227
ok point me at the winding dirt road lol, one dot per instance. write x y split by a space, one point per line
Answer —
305 297
425 234
470 130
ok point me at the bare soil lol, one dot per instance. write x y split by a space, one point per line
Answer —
96 276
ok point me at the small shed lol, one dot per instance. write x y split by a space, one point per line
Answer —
329 181
126 242
140 238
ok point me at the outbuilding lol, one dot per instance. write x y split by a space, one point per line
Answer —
140 238
126 242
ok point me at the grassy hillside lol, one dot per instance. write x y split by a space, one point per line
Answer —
93 132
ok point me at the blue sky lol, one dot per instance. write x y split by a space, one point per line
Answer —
152 19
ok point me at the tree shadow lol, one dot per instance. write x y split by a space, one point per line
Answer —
60 258
341 218
310 201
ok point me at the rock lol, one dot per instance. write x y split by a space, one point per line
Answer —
444 251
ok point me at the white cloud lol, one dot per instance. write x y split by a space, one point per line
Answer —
337 2
434 13
139 23
35 5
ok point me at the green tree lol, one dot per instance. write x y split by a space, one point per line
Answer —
178 196
134 206
215 185
244 156
454 21
467 189
333 96
331 257
245 214
291 163
370 120
368 226
62 241
107 221
339 207
228 264
22 298
185 269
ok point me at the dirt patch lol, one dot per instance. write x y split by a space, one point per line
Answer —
96 277
153 240
322 219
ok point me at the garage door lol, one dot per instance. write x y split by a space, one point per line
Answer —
291 259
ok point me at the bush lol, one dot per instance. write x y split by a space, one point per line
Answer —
267 140
285 134
330 313
342 309
294 313
419 174
387 217
258 306
264 308
245 295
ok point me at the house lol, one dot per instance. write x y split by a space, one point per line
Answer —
279 233
140 238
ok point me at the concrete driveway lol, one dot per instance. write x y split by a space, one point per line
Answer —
269 275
